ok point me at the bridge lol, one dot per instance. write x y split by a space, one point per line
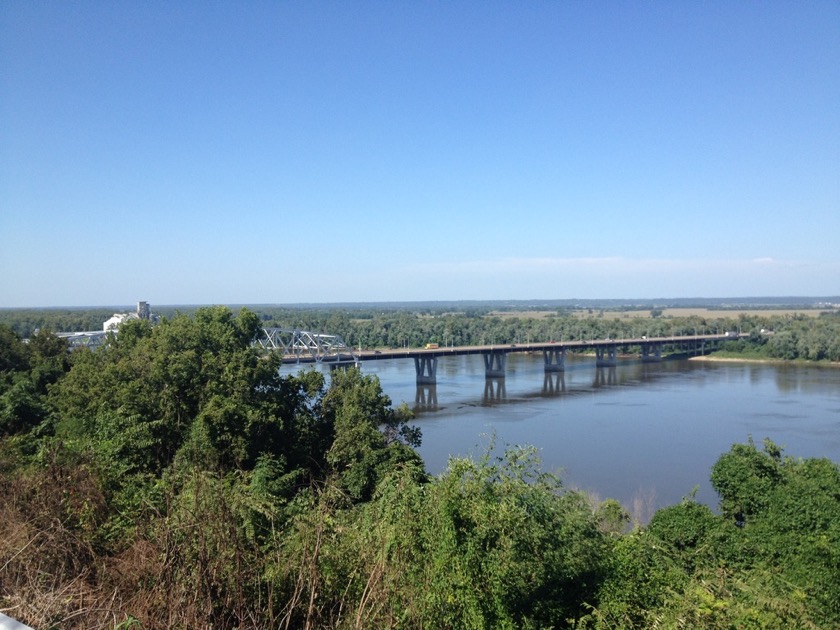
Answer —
307 347
302 346
86 339
297 346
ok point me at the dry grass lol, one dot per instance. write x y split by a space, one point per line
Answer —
48 571
56 572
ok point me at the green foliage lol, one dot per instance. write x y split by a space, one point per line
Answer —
488 544
770 560
166 378
641 576
27 371
214 556
612 517
777 564
27 322
797 535
175 479
365 444
745 478
719 598
507 546
13 352
21 408
684 526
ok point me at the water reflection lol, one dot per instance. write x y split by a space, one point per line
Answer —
791 379
605 377
426 398
554 384
494 391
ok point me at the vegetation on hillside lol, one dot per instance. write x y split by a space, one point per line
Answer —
175 479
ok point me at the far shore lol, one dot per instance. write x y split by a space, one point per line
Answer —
711 357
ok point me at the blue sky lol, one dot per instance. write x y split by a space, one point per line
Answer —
272 152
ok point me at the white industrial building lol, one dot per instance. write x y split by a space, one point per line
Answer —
113 323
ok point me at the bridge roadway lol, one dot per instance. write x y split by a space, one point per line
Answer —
495 355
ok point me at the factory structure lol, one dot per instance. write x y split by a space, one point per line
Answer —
143 311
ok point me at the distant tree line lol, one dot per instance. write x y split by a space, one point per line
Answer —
773 337
786 337
175 479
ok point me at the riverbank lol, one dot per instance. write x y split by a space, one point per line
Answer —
765 360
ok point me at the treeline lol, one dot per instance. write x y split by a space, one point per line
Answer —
810 339
27 322
175 479
774 337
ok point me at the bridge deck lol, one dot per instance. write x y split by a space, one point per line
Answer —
592 344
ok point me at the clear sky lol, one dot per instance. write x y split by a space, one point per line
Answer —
283 152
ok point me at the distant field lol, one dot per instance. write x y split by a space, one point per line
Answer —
667 312
769 312
522 314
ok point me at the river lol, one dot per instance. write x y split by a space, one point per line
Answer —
646 434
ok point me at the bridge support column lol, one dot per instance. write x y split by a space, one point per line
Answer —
426 369
605 357
494 364
555 359
651 352
342 365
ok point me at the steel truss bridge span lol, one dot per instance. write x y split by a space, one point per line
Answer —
296 346
86 339
304 346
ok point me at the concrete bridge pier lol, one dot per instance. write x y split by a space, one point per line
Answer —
651 352
605 357
555 359
494 364
426 369
343 364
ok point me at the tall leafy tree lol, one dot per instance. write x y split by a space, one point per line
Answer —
371 437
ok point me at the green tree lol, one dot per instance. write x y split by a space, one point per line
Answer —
492 543
13 354
26 373
745 478
371 437
187 369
